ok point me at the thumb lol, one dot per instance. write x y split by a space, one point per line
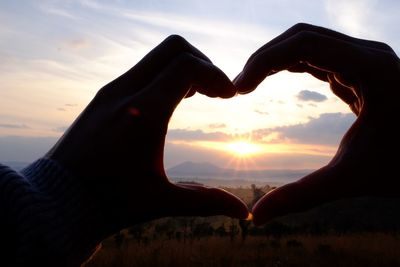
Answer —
197 200
317 188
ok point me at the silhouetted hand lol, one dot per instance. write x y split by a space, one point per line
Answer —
116 145
365 75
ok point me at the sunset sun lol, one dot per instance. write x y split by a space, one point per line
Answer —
243 149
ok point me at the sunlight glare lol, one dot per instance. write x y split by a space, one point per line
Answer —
242 148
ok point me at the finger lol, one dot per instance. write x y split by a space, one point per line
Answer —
319 51
345 93
300 27
315 189
184 72
317 73
339 87
196 200
156 60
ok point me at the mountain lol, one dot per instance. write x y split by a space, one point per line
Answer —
189 168
206 171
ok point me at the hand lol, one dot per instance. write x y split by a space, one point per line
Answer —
365 75
116 145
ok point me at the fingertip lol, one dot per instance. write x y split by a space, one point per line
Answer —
242 212
219 86
229 91
223 85
242 85
231 205
197 200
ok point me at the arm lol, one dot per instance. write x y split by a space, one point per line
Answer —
106 173
46 218
8 179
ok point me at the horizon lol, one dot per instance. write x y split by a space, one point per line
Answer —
56 55
218 176
22 164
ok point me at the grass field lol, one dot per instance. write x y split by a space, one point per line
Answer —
331 250
363 232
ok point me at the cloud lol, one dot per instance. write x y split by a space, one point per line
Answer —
67 107
14 126
327 129
307 95
78 44
166 20
261 112
352 15
57 12
217 125
196 135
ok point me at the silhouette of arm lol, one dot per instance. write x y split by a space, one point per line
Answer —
107 172
365 75
46 220
8 246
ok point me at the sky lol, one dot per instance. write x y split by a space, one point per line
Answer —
55 55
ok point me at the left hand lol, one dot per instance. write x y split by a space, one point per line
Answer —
116 145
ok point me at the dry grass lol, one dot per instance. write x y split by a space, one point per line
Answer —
372 249
159 245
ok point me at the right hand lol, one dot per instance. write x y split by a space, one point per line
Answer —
364 74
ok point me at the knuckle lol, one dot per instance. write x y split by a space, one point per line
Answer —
176 41
102 95
301 26
383 46
305 36
306 41
187 60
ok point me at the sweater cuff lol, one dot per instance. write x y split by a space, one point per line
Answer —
55 219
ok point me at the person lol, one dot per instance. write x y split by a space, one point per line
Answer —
106 173
366 76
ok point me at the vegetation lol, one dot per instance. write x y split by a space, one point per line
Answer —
357 232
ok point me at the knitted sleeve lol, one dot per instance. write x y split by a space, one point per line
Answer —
46 218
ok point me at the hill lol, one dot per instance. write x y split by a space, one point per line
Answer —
207 171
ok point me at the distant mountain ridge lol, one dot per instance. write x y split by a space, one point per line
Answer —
206 170
190 167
